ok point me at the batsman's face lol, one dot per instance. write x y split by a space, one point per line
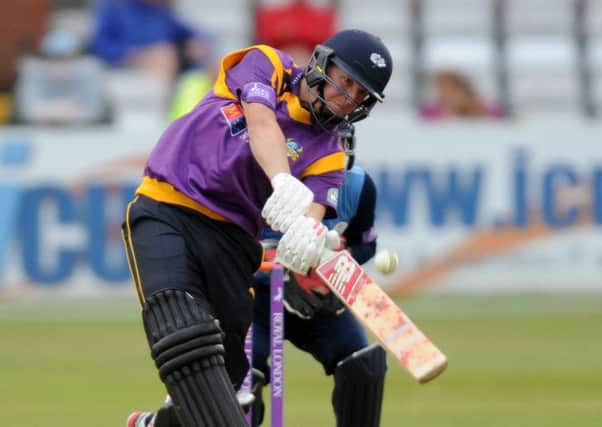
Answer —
342 94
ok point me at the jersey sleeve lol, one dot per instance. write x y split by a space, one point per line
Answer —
252 78
326 190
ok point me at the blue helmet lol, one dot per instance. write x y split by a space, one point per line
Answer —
363 56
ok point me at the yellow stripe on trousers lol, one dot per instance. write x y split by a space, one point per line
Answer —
126 235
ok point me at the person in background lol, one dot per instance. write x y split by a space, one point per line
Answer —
189 89
60 85
146 35
316 321
295 26
455 97
23 25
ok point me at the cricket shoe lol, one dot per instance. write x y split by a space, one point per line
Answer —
141 419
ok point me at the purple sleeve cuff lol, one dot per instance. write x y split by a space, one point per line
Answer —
250 79
326 189
260 93
369 235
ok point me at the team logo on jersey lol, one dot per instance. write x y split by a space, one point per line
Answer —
293 150
235 118
378 60
333 196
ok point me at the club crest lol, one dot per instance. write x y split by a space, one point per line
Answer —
378 60
293 150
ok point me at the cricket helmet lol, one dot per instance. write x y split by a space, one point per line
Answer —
361 55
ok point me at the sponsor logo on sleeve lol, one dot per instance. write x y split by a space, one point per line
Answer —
235 118
258 90
333 196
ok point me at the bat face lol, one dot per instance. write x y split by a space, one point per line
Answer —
343 275
378 313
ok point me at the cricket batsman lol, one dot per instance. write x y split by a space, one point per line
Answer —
261 148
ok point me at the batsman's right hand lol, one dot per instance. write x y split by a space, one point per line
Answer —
300 247
289 200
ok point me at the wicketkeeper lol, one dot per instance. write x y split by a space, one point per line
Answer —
317 322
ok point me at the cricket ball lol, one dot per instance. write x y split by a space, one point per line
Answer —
386 261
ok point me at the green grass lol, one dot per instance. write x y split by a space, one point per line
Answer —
523 360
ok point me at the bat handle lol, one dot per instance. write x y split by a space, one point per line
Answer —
333 240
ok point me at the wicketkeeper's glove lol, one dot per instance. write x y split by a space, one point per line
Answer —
305 296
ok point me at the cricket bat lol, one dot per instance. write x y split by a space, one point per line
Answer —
379 314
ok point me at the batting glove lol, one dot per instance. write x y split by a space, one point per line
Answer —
289 200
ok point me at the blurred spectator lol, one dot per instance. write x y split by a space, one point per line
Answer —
295 27
455 97
22 26
61 85
193 84
146 35
191 87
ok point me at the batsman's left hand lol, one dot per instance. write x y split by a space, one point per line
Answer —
289 200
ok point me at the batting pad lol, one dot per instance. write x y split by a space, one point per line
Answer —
359 386
187 346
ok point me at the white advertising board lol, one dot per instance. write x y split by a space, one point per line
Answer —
475 208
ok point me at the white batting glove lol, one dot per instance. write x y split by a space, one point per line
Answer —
289 200
300 247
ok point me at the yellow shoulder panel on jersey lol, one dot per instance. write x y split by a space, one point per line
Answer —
221 88
295 110
330 163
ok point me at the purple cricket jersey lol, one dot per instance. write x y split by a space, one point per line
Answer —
203 160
